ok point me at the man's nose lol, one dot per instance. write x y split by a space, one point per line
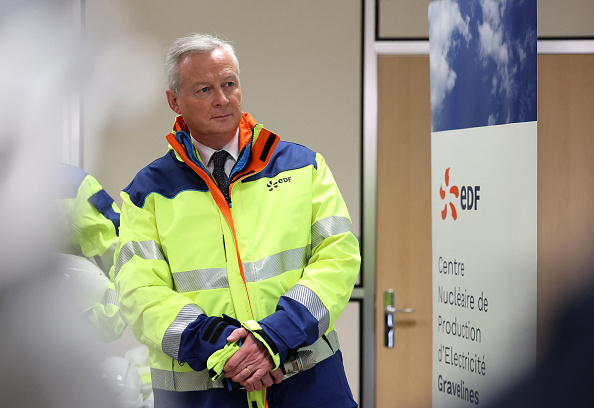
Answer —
220 99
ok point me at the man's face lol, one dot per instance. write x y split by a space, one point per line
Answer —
209 97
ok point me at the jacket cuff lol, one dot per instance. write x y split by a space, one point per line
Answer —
202 338
292 326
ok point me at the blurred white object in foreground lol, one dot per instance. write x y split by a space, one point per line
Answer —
49 359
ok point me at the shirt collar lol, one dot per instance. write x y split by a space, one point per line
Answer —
206 152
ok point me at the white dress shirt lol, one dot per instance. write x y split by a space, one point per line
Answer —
206 153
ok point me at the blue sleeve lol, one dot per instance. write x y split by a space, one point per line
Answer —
290 327
202 337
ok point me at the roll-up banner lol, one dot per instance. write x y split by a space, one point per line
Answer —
483 180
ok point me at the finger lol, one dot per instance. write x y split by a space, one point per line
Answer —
237 334
277 375
252 353
253 371
254 385
258 386
241 376
267 380
247 348
241 359
259 379
237 366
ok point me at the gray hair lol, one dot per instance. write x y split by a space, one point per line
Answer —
190 45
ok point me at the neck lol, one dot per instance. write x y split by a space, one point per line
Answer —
216 142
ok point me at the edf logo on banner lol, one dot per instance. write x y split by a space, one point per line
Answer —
464 198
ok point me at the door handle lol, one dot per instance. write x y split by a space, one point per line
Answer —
389 312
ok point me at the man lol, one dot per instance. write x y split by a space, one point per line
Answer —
236 253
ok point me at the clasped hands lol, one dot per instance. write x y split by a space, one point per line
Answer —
251 365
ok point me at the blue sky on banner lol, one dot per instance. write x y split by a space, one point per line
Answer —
483 62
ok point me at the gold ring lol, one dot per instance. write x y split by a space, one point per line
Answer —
248 370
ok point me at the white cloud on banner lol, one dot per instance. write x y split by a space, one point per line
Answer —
445 19
497 46
494 46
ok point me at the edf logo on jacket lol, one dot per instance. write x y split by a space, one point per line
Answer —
274 184
455 198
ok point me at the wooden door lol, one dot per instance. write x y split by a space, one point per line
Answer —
404 230
565 182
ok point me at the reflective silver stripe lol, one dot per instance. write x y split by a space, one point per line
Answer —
200 380
146 250
200 279
172 337
265 268
276 264
328 227
111 297
183 381
312 302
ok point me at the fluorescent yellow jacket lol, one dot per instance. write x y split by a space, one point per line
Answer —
91 217
91 221
281 252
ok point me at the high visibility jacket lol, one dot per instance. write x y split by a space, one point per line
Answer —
90 215
281 252
91 221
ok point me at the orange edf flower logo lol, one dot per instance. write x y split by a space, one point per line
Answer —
442 193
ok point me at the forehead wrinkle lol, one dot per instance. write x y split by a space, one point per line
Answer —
207 73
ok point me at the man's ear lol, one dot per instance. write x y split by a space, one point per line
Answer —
172 100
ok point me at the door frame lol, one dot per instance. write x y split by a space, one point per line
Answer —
373 48
71 139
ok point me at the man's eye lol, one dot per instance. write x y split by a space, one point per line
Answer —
230 84
203 90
